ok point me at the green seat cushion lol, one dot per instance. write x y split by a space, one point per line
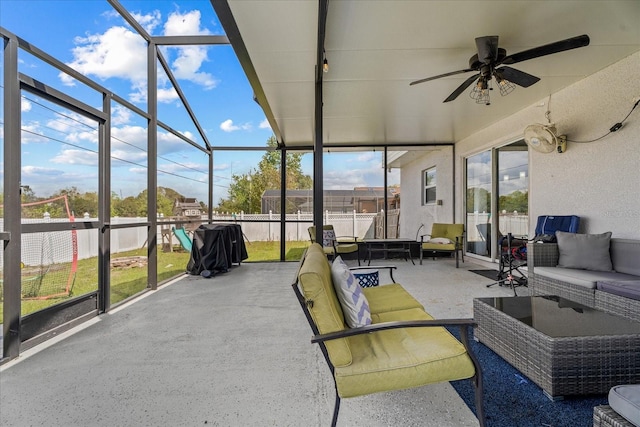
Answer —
389 298
347 248
402 358
439 246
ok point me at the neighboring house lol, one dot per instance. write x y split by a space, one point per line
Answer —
360 199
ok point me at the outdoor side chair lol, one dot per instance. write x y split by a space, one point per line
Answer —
443 238
335 245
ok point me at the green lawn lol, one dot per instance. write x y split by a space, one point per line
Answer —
128 281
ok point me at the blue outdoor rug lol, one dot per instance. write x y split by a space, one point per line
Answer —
512 400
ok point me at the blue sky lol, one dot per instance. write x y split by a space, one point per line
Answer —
59 147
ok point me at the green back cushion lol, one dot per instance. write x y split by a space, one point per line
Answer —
315 282
450 231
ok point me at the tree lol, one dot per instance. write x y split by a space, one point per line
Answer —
478 199
246 190
516 201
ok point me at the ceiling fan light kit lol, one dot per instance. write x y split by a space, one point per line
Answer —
489 57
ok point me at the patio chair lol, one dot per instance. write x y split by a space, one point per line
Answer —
335 245
443 238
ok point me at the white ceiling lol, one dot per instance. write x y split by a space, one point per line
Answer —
376 48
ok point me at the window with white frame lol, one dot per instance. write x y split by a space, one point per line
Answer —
429 186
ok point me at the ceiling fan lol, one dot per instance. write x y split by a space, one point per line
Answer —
489 63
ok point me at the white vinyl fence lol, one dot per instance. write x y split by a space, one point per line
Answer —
37 246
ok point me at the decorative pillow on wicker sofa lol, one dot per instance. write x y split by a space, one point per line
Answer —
328 237
584 251
353 301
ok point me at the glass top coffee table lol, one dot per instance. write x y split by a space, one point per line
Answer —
564 347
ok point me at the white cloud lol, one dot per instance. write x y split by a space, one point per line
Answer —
190 58
264 124
121 53
167 95
25 105
117 53
184 24
149 22
29 171
366 157
76 157
120 115
228 126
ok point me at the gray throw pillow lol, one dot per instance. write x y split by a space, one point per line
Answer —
584 251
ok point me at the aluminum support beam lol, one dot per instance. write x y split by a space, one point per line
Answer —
152 164
12 160
318 174
104 209
283 202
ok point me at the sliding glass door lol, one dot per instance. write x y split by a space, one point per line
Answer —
497 197
478 203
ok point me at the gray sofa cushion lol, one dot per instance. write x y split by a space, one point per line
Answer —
585 278
625 254
584 251
625 400
629 289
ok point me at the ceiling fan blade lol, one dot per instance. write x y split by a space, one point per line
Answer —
453 73
462 87
487 49
518 77
548 49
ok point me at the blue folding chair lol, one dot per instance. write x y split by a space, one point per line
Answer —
548 225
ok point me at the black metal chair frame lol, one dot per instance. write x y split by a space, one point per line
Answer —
508 265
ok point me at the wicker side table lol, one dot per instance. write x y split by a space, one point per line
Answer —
561 365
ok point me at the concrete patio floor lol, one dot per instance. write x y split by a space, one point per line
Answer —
233 350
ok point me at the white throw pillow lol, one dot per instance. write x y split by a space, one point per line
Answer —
440 240
353 301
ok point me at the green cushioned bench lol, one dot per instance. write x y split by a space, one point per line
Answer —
404 347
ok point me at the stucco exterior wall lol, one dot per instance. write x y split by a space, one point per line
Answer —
412 212
599 181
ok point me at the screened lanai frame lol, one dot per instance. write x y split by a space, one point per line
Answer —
55 318
14 324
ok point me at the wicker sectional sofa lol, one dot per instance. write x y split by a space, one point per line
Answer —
616 291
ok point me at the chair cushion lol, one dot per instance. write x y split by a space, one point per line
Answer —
390 298
438 247
625 400
402 358
629 289
625 254
355 306
584 251
346 248
315 283
585 278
